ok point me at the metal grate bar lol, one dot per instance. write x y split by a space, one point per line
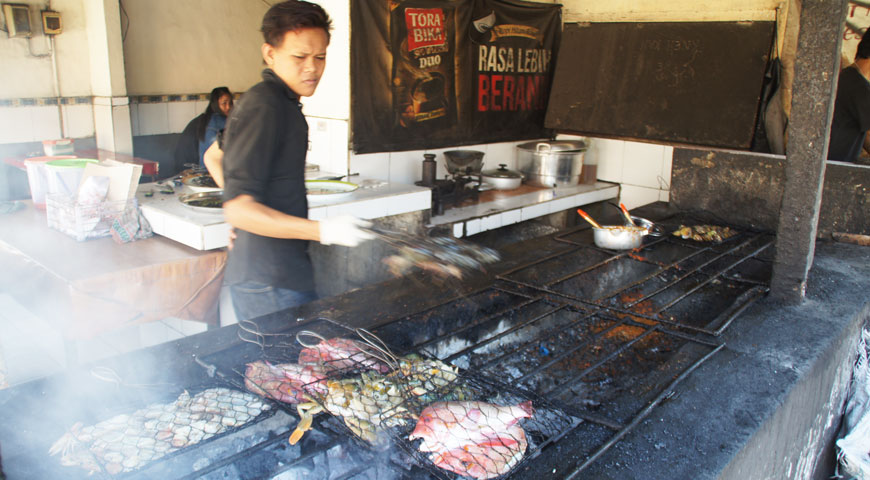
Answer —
255 448
561 389
527 343
503 334
742 302
651 275
500 313
540 260
563 355
352 473
697 270
458 298
593 305
666 393
712 277
300 459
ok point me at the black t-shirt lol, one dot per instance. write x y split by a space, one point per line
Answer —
851 116
265 144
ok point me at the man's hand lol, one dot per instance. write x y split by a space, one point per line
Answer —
344 230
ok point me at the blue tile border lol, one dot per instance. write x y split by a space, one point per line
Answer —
51 101
44 101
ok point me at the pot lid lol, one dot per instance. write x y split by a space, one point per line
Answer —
501 172
555 146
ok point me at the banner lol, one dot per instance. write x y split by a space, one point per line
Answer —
435 73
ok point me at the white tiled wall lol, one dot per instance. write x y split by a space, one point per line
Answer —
643 169
327 144
407 167
179 114
78 120
31 124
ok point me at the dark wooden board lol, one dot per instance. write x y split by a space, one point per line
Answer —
685 82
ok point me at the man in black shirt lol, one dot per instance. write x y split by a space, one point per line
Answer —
852 107
265 143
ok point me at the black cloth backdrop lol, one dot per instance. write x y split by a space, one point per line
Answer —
433 73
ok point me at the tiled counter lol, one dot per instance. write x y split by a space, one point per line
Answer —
497 209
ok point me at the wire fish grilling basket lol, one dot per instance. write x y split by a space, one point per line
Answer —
445 256
445 420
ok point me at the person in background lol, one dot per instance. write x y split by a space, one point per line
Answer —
200 132
264 148
852 107
214 119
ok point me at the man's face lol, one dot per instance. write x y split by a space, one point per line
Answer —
300 59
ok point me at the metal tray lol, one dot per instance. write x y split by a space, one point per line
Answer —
189 198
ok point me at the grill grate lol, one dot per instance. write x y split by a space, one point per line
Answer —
595 338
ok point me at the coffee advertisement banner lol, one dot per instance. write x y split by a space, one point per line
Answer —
434 73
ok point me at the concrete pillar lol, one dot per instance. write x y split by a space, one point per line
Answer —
112 125
815 81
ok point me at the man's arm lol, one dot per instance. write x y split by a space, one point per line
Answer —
248 214
867 142
245 213
212 159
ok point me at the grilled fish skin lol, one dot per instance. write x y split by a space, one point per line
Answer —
127 442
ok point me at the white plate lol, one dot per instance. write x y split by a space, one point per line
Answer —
322 190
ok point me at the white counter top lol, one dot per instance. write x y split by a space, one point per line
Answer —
205 231
497 209
374 199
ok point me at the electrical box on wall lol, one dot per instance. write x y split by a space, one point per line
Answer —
51 23
17 19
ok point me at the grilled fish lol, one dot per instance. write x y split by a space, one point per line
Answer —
487 459
129 441
444 426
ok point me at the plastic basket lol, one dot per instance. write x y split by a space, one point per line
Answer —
84 222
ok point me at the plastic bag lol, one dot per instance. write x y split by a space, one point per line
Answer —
854 448
130 225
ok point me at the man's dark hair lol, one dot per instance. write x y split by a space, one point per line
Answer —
290 16
864 46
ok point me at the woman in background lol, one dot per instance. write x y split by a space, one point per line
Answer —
213 119
199 134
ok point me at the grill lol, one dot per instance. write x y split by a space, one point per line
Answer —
595 338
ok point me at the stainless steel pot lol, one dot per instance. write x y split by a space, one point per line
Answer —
463 161
618 237
502 178
551 164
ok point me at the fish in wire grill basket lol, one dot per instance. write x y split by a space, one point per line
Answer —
442 255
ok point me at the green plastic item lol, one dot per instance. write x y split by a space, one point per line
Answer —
71 162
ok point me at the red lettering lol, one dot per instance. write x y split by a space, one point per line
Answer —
425 27
496 92
520 94
508 102
482 92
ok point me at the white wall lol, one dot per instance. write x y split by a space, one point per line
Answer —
191 46
26 62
